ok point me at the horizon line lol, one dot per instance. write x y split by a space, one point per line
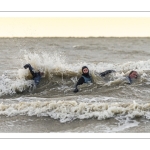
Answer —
76 37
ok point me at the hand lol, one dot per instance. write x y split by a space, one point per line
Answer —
76 90
113 71
26 66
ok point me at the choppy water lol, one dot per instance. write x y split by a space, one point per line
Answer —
107 105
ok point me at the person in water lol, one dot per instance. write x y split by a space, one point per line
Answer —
129 79
132 75
85 78
36 75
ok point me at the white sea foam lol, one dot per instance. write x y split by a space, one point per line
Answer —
10 86
55 65
71 110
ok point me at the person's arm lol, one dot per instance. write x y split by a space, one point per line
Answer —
30 68
80 81
106 72
31 71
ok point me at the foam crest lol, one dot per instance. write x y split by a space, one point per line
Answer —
49 63
10 85
71 110
55 67
55 63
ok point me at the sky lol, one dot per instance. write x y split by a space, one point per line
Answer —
74 26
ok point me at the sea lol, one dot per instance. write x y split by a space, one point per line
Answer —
108 105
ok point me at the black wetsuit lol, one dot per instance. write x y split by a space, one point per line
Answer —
106 72
36 75
85 78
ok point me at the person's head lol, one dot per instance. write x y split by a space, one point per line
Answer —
41 73
133 75
85 70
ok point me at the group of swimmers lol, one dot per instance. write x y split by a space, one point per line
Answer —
85 78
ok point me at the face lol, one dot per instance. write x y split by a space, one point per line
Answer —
134 75
42 73
85 70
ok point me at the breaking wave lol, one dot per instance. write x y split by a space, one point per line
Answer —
73 109
57 70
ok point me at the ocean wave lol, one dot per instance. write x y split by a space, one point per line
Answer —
58 71
80 47
70 110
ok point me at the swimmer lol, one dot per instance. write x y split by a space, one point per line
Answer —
85 78
129 79
36 75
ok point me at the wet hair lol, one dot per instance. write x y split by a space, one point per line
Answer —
84 68
131 72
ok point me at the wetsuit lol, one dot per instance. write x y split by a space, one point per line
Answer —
85 78
36 75
129 81
106 72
